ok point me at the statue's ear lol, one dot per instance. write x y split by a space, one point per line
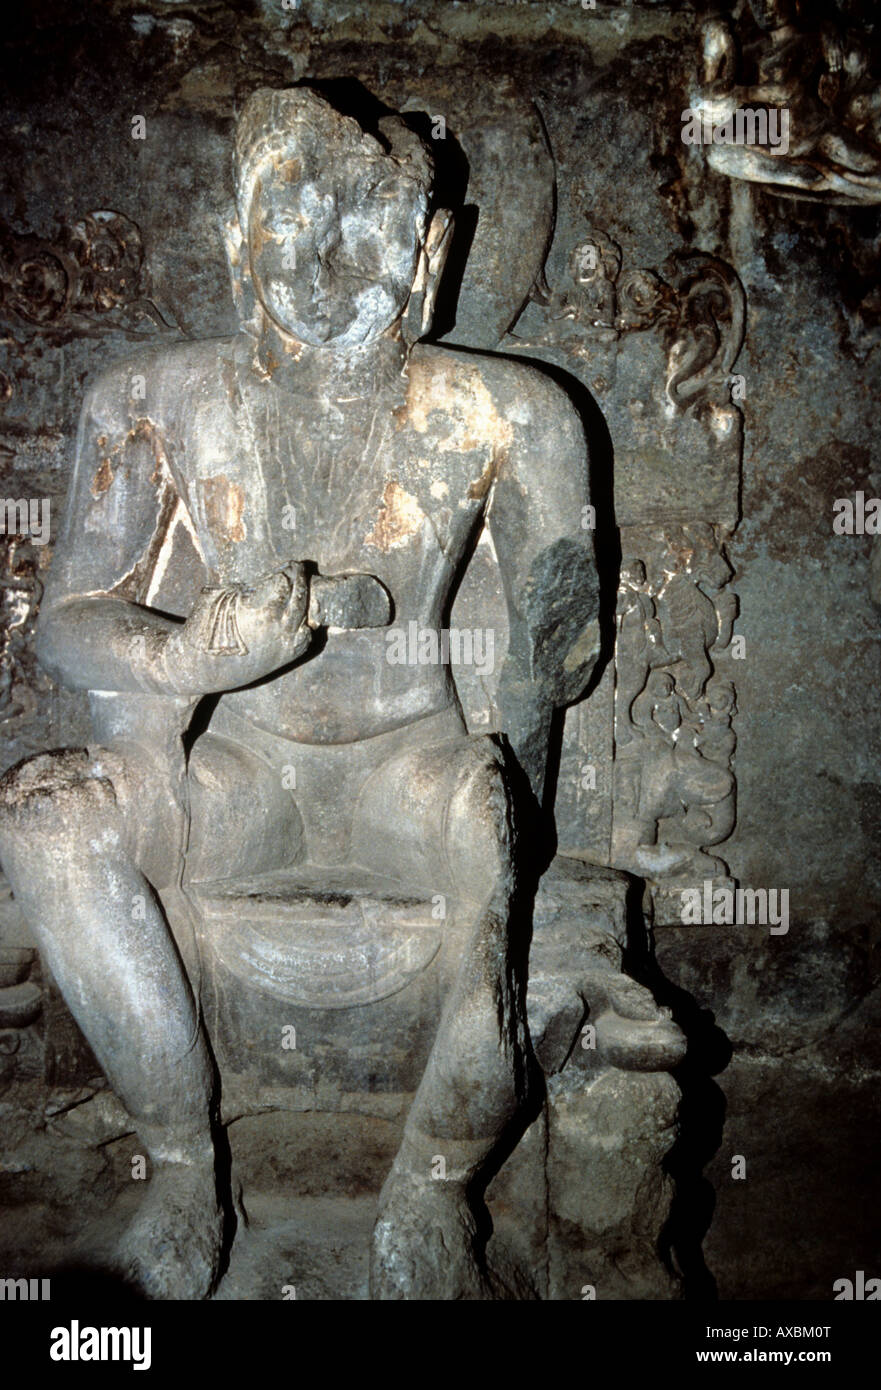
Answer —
234 245
419 312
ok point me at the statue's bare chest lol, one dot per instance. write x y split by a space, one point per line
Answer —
349 485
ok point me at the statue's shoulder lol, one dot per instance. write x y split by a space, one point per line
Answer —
158 381
471 380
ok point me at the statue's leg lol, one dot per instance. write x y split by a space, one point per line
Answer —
78 828
447 821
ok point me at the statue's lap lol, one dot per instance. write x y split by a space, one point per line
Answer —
325 804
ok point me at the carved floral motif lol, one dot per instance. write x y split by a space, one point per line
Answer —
93 269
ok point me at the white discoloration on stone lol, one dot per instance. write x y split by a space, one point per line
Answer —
224 505
519 413
487 541
109 839
181 517
722 420
400 517
463 397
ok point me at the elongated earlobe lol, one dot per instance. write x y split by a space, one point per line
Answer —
419 312
242 286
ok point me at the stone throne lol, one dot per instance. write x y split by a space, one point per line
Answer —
323 995
322 991
322 988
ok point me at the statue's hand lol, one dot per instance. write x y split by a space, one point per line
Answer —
348 601
285 607
234 635
271 618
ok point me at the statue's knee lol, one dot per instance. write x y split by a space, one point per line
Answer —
438 816
479 825
57 796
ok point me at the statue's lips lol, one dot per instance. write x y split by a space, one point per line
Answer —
326 311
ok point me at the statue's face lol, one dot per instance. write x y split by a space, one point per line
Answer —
333 239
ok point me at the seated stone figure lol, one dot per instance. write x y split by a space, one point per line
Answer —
246 517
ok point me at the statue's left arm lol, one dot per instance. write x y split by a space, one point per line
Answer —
540 520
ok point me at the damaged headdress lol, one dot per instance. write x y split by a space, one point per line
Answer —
270 129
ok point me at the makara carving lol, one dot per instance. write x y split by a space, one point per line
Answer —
695 302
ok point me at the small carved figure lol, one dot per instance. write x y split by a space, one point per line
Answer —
673 714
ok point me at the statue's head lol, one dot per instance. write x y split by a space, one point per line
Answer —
335 222
660 684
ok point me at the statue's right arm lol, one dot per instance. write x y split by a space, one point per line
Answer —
97 641
92 635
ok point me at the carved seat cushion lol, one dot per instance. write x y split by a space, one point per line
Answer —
321 938
327 938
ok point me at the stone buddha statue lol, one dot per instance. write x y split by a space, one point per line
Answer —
248 519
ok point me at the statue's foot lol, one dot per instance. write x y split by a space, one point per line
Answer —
634 1032
427 1245
172 1248
653 861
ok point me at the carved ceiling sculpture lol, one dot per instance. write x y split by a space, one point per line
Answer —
820 74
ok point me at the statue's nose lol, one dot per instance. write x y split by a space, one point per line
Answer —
325 275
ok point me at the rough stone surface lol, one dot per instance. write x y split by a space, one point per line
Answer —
719 342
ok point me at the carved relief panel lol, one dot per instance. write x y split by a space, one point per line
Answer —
646 781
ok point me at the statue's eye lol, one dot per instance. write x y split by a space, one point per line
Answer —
358 261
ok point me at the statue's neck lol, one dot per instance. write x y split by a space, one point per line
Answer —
330 373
